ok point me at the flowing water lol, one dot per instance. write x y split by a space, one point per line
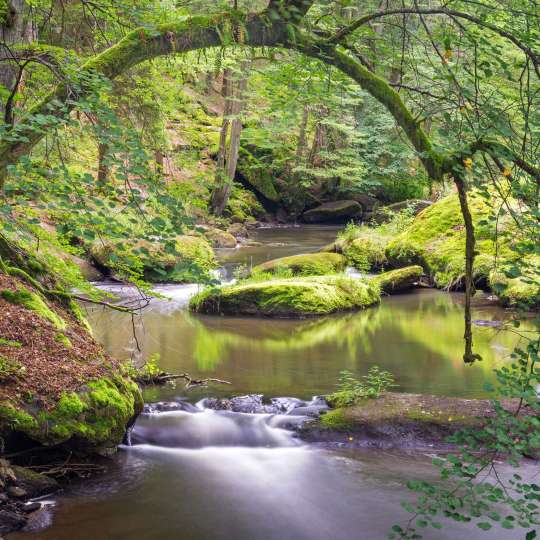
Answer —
199 474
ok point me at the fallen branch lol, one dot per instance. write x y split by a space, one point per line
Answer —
163 377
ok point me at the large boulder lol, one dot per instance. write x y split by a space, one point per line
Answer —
307 264
257 176
219 238
436 241
400 280
191 260
333 212
294 297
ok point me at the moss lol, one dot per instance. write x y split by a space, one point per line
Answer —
309 264
521 291
257 175
436 241
10 368
79 315
336 419
92 418
33 302
293 297
63 339
365 254
399 280
9 343
16 419
220 239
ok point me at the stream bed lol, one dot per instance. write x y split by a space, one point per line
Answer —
199 474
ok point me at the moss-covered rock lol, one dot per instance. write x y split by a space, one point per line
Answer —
308 264
400 280
219 238
333 212
257 175
190 259
436 241
92 419
294 297
365 254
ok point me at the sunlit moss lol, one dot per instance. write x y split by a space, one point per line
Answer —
308 264
294 297
34 302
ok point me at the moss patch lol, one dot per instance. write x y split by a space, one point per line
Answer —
365 254
294 297
399 280
34 302
309 264
92 418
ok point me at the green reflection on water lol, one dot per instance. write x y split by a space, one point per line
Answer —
416 336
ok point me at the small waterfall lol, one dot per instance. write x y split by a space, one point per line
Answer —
223 423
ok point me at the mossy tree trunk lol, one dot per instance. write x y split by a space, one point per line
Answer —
234 89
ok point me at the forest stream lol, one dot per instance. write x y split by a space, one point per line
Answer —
192 473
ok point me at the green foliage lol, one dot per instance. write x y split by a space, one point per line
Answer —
351 390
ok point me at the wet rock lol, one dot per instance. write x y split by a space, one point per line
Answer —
16 492
254 404
31 507
33 483
10 521
169 406
238 230
333 212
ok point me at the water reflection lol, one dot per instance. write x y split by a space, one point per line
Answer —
415 336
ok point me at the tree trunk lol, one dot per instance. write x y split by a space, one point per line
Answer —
302 138
15 29
103 167
229 142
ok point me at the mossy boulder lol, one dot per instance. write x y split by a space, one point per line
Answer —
436 241
257 176
307 264
333 212
365 254
293 297
190 258
400 280
92 419
219 238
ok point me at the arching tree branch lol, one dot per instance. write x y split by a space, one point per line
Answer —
340 35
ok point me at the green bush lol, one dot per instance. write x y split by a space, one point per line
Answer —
370 386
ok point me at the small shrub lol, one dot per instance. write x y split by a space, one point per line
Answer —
370 386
